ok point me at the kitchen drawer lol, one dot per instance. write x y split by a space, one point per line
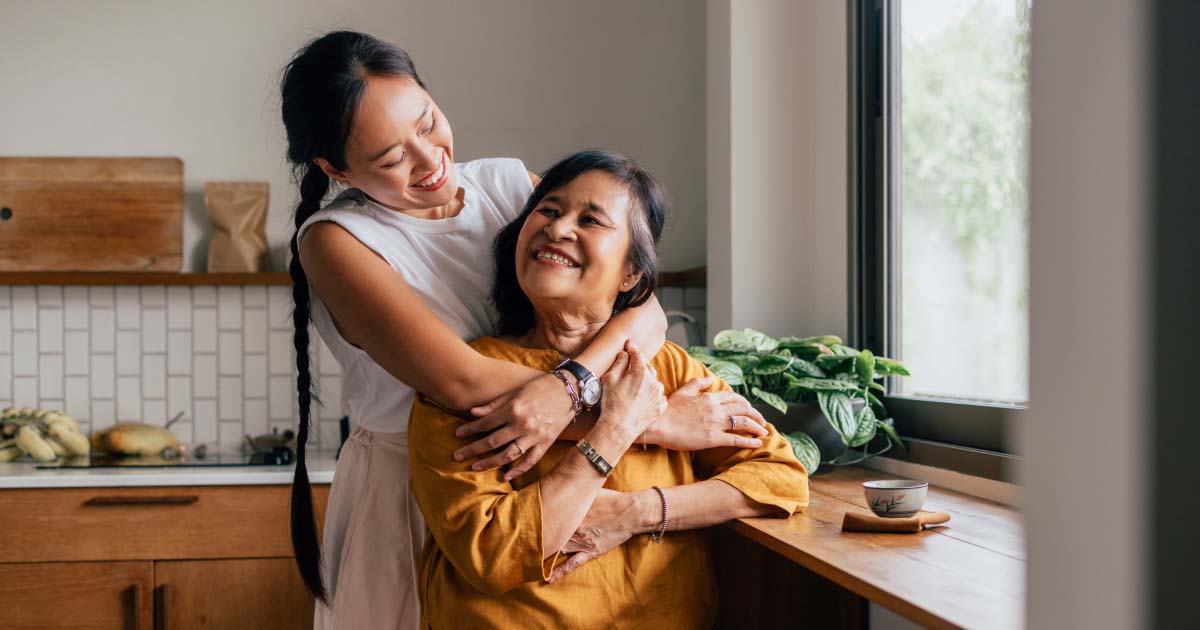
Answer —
243 593
76 595
165 523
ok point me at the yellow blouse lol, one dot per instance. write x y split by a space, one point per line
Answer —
482 565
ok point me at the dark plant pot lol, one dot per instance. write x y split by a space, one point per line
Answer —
807 417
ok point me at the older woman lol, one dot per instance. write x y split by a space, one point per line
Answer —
597 533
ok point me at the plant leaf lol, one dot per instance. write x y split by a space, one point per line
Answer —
825 340
800 367
886 426
770 399
762 341
865 366
865 430
699 350
772 364
889 367
733 339
844 351
877 387
806 451
825 385
876 405
835 362
840 413
728 372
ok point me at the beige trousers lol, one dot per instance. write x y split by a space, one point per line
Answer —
373 537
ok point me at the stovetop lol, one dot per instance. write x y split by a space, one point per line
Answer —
281 456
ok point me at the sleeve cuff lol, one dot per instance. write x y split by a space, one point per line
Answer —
786 497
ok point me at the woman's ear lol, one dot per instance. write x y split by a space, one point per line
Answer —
632 277
329 170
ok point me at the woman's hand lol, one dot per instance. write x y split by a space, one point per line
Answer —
697 420
524 423
612 519
633 397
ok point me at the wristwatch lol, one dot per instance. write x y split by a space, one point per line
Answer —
589 385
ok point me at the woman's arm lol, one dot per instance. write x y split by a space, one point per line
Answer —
376 310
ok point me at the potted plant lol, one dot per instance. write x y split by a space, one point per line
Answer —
818 392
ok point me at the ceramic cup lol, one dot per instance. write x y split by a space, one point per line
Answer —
895 498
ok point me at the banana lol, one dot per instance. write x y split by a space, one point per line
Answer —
9 453
59 449
30 440
73 441
56 417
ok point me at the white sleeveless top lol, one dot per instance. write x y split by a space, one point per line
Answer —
448 262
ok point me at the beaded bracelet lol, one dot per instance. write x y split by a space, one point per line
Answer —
662 528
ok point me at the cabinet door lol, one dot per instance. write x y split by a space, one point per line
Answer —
244 593
77 595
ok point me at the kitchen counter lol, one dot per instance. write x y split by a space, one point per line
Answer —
27 475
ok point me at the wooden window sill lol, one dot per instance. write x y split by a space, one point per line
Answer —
75 278
967 574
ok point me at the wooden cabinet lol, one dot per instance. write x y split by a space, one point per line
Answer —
244 593
166 558
76 595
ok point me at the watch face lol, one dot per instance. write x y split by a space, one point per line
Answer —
591 392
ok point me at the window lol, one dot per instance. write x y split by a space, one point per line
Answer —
942 213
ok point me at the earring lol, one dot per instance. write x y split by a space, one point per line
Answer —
624 284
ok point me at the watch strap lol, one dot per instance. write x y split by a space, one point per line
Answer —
598 462
581 373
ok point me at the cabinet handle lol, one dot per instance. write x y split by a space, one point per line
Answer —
164 500
137 606
160 607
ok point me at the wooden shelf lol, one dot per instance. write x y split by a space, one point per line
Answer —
141 278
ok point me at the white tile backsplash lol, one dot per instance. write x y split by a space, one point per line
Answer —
24 308
129 308
154 376
75 311
104 369
50 376
154 330
129 353
25 353
50 330
204 330
229 347
103 329
223 356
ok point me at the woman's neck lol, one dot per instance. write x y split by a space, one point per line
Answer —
568 334
445 211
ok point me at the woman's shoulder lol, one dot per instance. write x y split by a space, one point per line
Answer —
503 181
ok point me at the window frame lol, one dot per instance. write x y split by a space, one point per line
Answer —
975 438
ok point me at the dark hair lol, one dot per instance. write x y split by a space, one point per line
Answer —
645 227
321 89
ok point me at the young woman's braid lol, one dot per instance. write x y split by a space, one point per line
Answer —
313 187
321 90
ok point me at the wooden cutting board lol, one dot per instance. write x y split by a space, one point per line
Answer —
91 214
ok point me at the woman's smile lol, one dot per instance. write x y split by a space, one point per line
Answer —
554 257
436 179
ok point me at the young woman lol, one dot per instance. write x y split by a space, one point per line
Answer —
395 274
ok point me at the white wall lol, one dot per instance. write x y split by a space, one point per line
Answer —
1085 472
777 168
199 80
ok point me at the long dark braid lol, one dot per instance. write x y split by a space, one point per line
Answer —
313 187
321 90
